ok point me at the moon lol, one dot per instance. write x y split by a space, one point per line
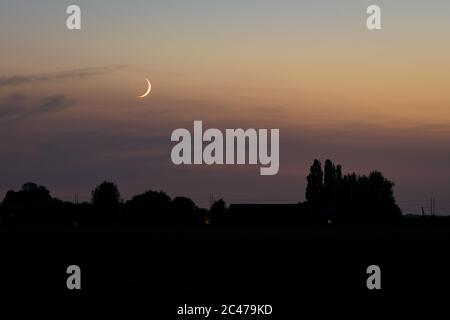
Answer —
148 90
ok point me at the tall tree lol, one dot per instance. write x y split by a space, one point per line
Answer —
329 183
106 194
106 201
314 183
338 174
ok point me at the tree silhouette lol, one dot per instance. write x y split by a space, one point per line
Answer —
314 183
330 197
314 190
106 194
329 190
151 207
34 192
351 198
106 201
218 211
31 204
186 212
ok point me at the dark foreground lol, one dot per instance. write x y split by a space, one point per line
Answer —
160 269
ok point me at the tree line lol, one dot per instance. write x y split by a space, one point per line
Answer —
351 198
331 197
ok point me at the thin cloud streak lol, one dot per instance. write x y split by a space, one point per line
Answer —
18 105
60 75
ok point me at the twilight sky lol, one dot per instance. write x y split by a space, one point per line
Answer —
69 117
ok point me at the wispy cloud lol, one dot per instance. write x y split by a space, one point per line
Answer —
19 105
61 75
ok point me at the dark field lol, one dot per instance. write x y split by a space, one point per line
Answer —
289 268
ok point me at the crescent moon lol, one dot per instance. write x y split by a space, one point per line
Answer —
148 90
